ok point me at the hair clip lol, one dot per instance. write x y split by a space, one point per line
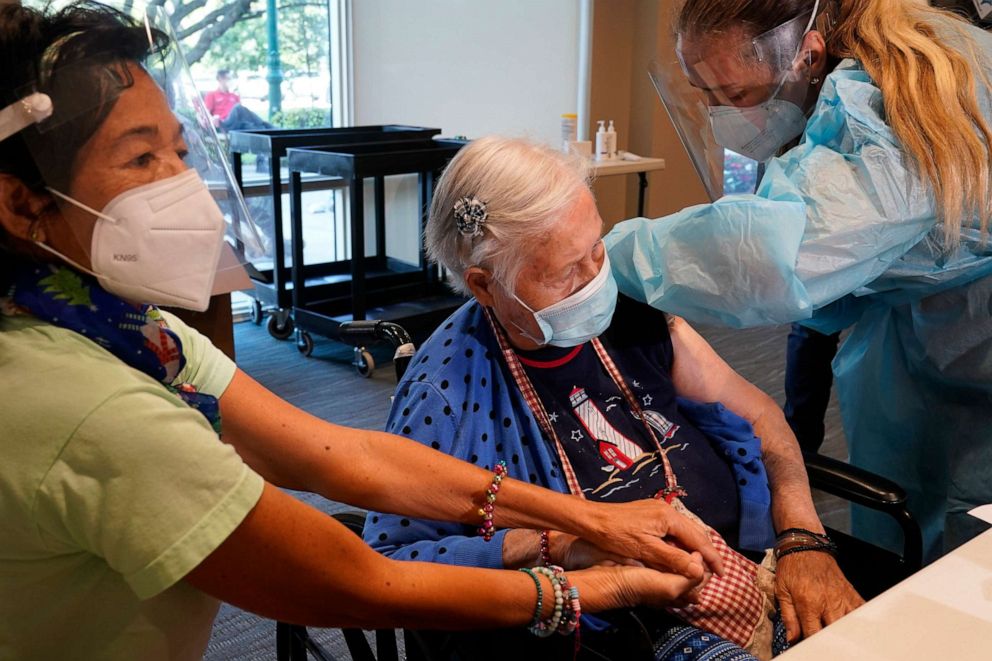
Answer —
470 216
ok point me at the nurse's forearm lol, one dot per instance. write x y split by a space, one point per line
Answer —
393 474
378 471
290 562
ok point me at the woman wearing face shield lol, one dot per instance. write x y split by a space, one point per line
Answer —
878 217
139 472
586 392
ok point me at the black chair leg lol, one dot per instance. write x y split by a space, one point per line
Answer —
358 645
289 645
385 645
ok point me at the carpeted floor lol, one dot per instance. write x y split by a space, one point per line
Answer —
327 386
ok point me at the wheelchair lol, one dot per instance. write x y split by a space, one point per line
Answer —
870 569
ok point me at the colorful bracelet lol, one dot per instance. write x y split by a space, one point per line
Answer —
545 628
573 610
487 529
540 597
546 548
566 615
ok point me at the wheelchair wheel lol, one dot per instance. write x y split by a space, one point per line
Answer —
256 312
364 363
282 331
304 343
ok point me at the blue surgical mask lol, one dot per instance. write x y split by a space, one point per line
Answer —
580 317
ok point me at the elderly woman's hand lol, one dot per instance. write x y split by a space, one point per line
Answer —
573 552
812 593
654 533
610 587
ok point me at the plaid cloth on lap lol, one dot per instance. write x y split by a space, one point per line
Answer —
730 605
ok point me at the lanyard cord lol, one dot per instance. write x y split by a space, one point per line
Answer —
672 488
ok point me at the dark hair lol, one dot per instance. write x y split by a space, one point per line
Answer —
225 73
76 56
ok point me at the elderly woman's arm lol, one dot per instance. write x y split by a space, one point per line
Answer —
700 374
812 590
287 561
382 472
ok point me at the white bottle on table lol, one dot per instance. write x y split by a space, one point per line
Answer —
611 142
602 149
568 131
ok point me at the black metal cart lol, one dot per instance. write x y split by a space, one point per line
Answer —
368 286
271 285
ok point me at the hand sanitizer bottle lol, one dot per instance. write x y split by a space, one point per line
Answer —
611 142
602 149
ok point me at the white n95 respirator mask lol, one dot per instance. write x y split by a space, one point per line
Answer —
158 243
759 131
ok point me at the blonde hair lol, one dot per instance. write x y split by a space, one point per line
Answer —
928 87
526 189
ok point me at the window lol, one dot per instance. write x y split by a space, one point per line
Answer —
280 70
740 174
290 73
253 72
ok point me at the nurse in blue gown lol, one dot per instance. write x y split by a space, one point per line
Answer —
878 217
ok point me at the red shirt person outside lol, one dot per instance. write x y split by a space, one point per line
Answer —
226 110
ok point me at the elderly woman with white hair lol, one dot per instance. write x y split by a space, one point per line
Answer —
576 388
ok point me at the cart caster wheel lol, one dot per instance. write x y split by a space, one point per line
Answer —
282 331
256 313
364 363
304 343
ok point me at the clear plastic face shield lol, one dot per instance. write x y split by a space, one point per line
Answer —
147 202
748 95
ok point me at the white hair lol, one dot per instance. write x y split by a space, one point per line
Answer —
526 188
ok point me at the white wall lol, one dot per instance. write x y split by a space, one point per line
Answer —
468 67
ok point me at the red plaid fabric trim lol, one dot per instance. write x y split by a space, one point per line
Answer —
732 605
534 402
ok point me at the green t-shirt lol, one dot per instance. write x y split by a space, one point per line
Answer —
111 490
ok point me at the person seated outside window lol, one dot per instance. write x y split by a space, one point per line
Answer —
587 392
224 106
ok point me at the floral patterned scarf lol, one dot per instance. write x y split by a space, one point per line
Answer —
137 335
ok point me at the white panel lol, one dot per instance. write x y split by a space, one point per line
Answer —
469 67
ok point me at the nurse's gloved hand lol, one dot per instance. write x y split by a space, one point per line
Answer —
812 593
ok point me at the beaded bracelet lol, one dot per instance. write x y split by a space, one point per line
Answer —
546 548
547 627
486 512
540 597
573 610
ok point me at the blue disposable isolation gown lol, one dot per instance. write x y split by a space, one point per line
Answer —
840 232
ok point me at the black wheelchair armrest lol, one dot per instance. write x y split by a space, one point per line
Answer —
852 483
865 488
